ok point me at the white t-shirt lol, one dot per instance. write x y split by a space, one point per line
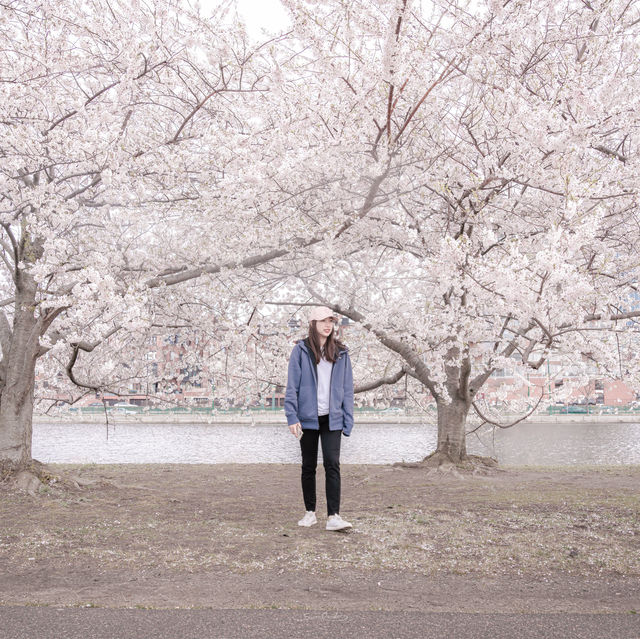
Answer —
324 386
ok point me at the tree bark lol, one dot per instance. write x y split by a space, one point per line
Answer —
18 377
452 421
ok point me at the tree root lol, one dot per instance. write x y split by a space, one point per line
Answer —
27 482
441 464
37 478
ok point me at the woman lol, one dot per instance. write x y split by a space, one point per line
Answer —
319 405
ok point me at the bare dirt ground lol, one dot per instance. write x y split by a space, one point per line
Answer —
225 536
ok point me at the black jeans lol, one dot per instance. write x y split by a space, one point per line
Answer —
330 440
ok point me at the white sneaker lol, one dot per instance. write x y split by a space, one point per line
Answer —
335 522
309 519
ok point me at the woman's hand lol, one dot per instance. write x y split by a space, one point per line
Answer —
296 430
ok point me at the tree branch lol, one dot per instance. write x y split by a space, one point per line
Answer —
610 153
88 347
368 201
198 106
486 420
82 345
73 112
611 318
190 274
177 277
413 359
6 334
79 191
14 243
443 76
388 380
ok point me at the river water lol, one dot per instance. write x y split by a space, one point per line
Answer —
526 444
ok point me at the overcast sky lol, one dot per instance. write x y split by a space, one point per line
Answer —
260 14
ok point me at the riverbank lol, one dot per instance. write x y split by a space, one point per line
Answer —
225 536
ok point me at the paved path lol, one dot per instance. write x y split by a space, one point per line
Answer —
18 622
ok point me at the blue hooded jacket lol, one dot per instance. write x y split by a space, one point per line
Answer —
301 397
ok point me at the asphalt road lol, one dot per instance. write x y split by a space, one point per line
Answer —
27 622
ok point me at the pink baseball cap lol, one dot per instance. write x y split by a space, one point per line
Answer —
321 312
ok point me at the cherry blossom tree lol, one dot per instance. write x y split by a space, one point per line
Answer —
487 153
126 131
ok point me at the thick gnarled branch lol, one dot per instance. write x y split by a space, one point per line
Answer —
387 380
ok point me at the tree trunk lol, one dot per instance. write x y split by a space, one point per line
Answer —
18 378
452 421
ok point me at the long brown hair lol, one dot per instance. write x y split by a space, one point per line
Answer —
331 347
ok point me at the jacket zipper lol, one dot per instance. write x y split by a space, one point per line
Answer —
331 380
314 372
312 361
